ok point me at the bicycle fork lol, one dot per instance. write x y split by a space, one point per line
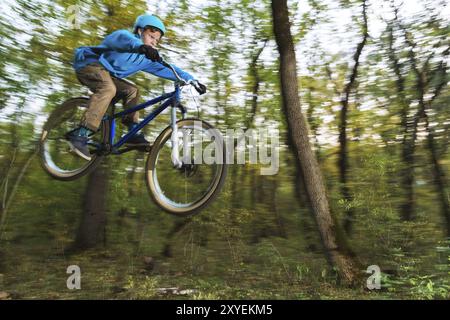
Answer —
177 163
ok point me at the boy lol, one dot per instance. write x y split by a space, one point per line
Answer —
102 69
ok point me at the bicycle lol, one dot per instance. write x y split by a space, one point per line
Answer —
179 185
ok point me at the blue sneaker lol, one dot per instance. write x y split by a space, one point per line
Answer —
79 145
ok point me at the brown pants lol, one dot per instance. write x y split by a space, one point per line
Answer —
107 90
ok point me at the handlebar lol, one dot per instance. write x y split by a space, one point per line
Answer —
181 80
168 65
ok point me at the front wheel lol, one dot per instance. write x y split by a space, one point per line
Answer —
185 191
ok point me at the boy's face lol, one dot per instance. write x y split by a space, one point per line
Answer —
151 37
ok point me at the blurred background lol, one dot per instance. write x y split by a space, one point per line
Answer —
371 73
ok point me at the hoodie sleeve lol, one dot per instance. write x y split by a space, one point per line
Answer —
122 41
161 71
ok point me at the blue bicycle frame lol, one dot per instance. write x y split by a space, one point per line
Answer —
172 99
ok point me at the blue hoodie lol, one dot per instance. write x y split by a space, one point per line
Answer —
118 53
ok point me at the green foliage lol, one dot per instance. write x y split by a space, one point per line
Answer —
258 239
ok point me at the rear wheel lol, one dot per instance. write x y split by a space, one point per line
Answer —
185 191
57 157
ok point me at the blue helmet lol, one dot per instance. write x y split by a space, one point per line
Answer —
149 20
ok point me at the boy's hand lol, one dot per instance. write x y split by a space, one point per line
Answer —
150 52
201 88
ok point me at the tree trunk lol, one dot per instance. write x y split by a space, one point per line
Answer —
409 135
438 171
343 151
439 176
253 70
298 130
93 221
281 228
423 79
